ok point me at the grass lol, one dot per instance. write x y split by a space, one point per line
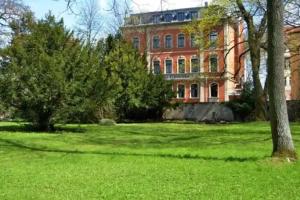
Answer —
145 161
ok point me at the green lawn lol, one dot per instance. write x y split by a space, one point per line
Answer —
145 161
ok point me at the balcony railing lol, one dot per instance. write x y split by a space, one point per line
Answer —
183 76
213 99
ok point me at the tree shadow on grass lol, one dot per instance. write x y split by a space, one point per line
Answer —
28 128
20 145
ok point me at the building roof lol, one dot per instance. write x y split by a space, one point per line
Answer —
163 17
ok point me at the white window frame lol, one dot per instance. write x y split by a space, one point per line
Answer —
165 43
178 40
165 66
198 91
216 56
156 59
210 89
181 58
177 90
153 42
193 57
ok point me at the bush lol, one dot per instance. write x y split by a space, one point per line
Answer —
244 106
107 122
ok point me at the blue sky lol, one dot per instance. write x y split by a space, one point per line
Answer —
58 7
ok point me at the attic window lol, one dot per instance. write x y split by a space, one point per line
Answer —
180 16
168 17
156 19
194 15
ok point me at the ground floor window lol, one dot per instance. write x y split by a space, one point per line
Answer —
180 91
194 90
214 90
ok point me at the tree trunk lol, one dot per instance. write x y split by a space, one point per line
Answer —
260 98
281 135
43 123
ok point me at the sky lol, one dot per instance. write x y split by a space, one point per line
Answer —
58 7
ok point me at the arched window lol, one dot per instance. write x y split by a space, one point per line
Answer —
181 65
169 66
180 90
195 65
156 66
194 90
156 42
213 63
214 90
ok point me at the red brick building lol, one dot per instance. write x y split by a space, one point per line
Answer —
198 75
292 69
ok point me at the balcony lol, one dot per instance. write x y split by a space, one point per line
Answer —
183 76
213 99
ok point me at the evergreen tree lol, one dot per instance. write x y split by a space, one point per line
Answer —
48 76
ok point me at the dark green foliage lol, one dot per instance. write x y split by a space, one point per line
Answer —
244 106
141 95
49 76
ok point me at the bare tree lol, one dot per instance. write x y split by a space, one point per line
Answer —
90 21
9 10
282 139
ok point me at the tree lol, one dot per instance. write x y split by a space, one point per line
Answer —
141 95
48 76
281 135
90 22
253 15
9 10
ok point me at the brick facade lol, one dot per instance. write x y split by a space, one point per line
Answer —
293 69
197 75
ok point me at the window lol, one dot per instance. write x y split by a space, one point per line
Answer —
187 16
168 41
194 64
180 16
213 62
169 66
180 40
213 37
168 17
287 64
156 43
156 67
156 19
181 65
214 90
194 90
287 81
194 15
193 40
180 91
136 42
